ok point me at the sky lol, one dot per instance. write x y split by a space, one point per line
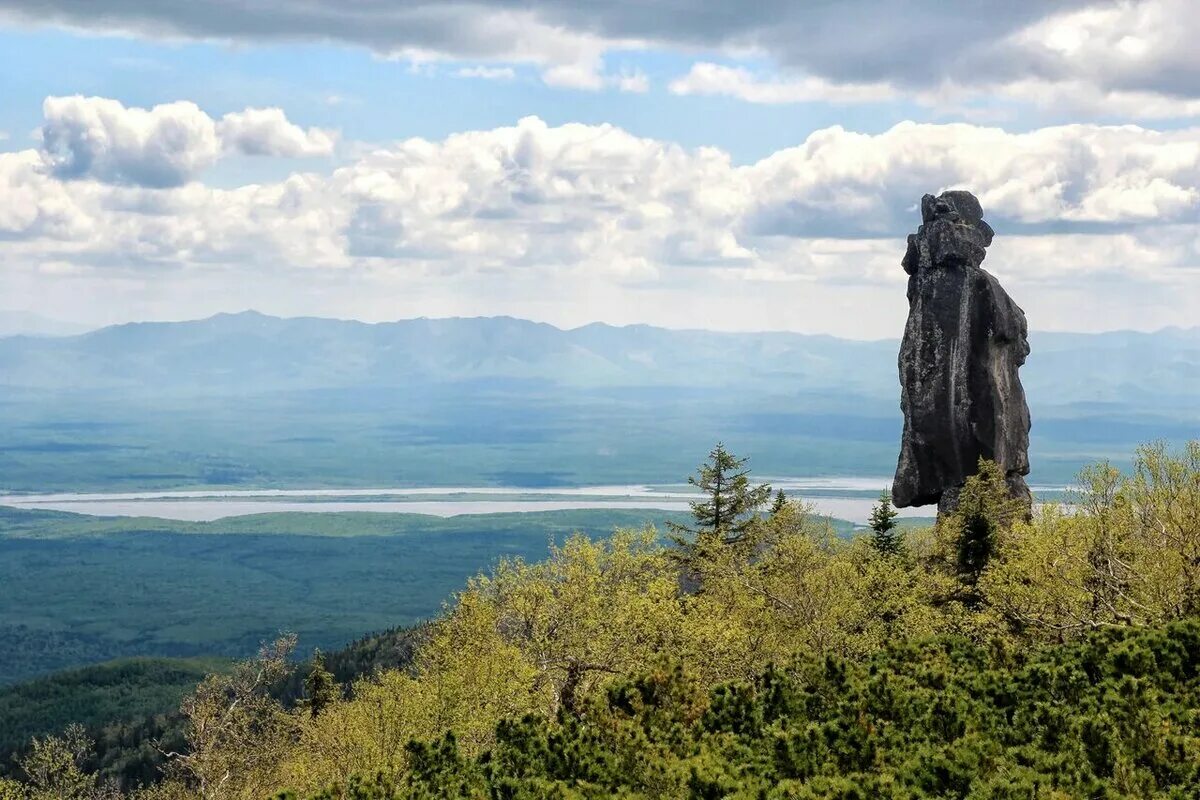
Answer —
686 163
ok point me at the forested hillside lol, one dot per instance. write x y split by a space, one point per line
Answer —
125 705
130 708
996 655
80 589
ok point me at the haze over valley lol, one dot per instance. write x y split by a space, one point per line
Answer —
252 401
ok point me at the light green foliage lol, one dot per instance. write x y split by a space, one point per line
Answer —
591 610
791 584
786 583
1127 552
237 733
54 768
529 638
1164 495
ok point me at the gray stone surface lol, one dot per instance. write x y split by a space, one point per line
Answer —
963 344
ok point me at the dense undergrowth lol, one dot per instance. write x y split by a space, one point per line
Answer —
995 655
1114 715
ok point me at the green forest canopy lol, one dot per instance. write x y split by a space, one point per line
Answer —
1059 660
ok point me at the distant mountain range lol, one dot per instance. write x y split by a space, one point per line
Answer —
249 353
502 391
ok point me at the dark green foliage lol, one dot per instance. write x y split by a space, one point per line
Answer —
886 538
390 649
130 753
1116 715
79 589
779 503
123 704
378 788
131 708
320 688
730 501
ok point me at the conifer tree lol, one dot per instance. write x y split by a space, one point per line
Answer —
730 502
886 537
780 502
320 688
985 509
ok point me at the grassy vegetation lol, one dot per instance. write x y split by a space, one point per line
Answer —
81 589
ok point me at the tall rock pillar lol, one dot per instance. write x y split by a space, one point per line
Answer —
964 342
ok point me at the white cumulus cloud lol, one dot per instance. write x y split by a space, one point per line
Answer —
583 214
163 146
267 132
101 138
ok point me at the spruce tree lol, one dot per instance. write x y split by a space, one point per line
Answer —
320 688
886 537
730 503
780 502
985 509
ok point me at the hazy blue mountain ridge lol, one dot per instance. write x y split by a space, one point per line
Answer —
249 399
251 352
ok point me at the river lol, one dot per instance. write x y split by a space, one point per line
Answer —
848 498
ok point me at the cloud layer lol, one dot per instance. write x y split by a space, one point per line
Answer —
163 146
585 214
1105 57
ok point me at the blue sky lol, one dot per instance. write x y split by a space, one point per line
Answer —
375 99
685 163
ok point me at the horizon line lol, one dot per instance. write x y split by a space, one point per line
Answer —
252 312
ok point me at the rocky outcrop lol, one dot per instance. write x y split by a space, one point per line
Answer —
963 344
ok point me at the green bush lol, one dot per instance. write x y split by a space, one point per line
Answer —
1114 715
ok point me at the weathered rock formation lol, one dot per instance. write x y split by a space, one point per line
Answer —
963 344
